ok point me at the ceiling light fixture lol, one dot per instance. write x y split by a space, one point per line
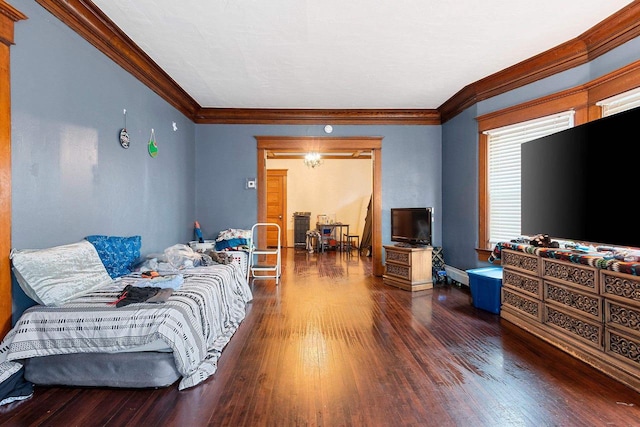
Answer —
312 159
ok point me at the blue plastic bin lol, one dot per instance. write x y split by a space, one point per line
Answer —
485 284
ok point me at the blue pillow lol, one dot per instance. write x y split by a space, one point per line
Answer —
118 254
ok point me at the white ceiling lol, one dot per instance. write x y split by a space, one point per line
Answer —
345 54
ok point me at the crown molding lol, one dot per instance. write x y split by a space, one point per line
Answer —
92 24
87 20
8 16
313 116
612 32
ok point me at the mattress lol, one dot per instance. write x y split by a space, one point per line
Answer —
195 324
150 369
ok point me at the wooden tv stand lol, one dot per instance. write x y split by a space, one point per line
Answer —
408 268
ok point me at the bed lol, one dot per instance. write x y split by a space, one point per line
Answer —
83 339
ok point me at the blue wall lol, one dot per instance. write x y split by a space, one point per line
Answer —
460 151
70 176
460 189
226 157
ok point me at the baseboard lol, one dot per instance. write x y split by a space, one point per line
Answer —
457 275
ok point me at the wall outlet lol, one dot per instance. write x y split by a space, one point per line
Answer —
251 183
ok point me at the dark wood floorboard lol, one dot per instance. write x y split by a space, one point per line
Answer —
333 346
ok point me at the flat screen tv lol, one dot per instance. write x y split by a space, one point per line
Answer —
411 226
581 184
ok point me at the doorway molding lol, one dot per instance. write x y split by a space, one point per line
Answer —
297 144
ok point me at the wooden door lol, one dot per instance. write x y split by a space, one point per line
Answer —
277 205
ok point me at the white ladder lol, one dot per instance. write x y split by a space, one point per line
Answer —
267 270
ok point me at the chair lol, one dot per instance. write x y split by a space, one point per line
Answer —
351 239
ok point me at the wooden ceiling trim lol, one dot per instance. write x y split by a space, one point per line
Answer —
325 156
8 16
318 116
283 144
603 37
88 21
621 80
93 25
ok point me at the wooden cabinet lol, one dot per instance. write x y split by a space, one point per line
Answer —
591 314
521 286
408 268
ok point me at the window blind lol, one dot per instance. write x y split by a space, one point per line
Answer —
504 170
619 103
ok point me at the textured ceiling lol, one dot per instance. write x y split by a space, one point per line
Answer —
357 54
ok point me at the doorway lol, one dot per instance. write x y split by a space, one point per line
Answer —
266 144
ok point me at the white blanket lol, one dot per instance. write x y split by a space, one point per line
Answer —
196 323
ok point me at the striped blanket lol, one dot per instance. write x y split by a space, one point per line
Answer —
605 259
196 323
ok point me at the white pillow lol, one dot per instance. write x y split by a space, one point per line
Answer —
55 275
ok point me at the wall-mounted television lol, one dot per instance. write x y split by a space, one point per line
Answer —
581 184
411 226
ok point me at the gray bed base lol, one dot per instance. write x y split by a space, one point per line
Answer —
149 369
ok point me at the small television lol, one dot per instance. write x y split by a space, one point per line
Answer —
580 184
411 226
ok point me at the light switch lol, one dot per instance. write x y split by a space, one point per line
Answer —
251 183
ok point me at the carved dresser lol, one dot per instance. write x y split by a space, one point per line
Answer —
578 304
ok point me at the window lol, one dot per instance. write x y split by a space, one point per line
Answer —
619 103
503 170
617 91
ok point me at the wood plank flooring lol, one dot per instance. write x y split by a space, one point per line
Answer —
333 346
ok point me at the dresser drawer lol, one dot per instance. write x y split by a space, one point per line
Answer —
398 257
621 316
621 287
522 262
521 304
400 271
583 303
622 346
528 285
579 276
573 325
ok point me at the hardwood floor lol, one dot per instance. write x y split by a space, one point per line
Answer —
333 346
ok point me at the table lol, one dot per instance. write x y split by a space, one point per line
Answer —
336 226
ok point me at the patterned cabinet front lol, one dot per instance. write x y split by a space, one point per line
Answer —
622 346
592 313
521 262
582 303
577 275
528 285
398 257
521 305
622 315
621 287
408 268
572 304
576 326
398 270
398 264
